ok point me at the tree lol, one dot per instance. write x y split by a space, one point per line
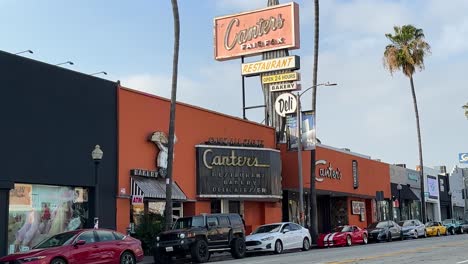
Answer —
406 53
170 152
465 107
313 191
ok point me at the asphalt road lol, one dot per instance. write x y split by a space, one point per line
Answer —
445 249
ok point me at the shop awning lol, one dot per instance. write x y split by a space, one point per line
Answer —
406 192
154 188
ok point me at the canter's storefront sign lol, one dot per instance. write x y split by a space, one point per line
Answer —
238 172
257 31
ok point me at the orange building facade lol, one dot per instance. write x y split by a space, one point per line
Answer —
346 184
221 163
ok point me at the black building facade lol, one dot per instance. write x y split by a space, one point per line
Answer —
51 120
445 197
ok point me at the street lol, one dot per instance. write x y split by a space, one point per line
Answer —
445 249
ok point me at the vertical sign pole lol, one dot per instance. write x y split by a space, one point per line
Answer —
243 91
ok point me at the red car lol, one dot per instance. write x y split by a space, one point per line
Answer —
343 236
82 246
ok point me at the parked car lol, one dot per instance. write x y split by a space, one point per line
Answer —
435 229
201 235
384 230
343 236
278 237
464 225
453 226
413 228
82 246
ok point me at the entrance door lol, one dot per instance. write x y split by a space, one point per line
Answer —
323 213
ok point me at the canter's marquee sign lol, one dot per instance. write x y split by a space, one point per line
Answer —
253 32
283 63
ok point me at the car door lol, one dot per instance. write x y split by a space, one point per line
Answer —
421 228
213 233
287 236
356 235
109 249
87 253
394 229
224 229
296 235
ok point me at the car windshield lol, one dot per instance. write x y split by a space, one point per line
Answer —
342 229
57 240
267 229
186 222
431 224
406 223
447 221
378 225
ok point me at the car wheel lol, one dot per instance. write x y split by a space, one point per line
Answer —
200 252
238 248
349 241
365 240
389 237
416 235
452 231
305 244
461 230
438 232
278 247
127 258
58 261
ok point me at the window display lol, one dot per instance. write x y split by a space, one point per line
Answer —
38 212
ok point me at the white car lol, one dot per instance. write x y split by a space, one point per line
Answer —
278 237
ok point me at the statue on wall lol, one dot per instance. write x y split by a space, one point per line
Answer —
160 139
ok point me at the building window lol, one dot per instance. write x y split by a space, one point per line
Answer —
37 212
234 207
215 206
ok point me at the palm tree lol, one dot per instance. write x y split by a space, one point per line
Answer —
406 53
465 107
170 151
313 192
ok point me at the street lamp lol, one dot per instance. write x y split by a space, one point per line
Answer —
299 148
67 62
24 51
96 154
96 73
399 187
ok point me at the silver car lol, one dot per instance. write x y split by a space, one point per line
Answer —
413 228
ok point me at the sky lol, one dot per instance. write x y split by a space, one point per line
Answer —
369 111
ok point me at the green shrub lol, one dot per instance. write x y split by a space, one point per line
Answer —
149 226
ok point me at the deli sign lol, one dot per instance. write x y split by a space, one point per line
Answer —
257 31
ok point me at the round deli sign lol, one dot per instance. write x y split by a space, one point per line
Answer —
285 103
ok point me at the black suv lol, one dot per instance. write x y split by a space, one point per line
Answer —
201 235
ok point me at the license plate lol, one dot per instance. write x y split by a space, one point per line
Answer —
169 249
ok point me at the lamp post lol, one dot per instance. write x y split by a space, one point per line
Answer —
67 62
399 187
96 154
24 51
101 72
299 148
450 204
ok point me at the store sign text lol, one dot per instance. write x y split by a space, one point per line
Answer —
283 63
284 77
224 141
232 160
330 173
144 173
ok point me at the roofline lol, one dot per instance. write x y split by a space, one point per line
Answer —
194 107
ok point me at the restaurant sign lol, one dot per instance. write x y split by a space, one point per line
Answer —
253 32
238 172
284 77
277 64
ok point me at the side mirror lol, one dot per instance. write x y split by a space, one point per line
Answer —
285 231
79 243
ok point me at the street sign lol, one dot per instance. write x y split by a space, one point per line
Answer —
463 157
284 86
286 103
284 77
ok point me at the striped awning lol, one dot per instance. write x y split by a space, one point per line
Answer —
154 188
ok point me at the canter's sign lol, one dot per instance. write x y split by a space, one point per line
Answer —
285 77
284 86
257 31
283 63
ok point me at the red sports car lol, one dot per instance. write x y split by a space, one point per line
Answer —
343 236
82 246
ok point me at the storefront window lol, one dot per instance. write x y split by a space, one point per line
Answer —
38 212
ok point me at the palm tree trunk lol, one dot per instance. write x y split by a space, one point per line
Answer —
421 171
313 191
170 151
465 107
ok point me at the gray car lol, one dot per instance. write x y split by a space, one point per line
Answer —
413 228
